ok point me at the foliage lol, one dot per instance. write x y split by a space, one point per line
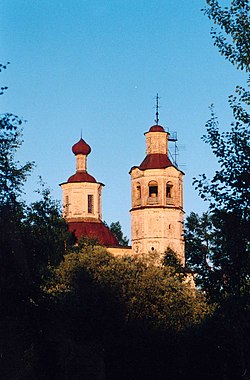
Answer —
230 185
228 194
233 38
45 232
3 67
145 292
228 191
116 228
12 174
172 262
217 243
29 237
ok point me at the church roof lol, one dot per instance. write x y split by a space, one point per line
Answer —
96 230
81 177
81 147
155 161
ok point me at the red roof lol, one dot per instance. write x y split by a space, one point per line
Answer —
96 230
81 177
81 147
156 128
155 161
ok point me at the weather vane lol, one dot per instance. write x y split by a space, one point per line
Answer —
157 109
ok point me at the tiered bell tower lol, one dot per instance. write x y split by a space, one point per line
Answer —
157 198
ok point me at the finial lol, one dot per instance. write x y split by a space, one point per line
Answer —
157 109
81 133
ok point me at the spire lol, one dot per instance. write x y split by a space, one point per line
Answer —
157 109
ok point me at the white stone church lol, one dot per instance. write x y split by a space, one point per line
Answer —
157 200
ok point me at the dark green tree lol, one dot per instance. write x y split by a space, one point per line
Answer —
228 191
116 228
233 36
31 237
12 178
45 232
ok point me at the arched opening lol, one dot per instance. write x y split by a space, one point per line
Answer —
153 189
152 192
169 192
138 191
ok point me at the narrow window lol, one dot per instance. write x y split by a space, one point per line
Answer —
90 204
153 189
66 205
138 191
169 191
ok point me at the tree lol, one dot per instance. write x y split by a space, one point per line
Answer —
228 191
116 228
233 38
218 244
145 292
45 232
12 179
31 237
12 174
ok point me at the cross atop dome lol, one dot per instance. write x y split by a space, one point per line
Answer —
157 109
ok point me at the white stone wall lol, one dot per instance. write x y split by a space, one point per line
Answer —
75 200
156 230
156 142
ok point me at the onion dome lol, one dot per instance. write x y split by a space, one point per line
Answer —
156 128
81 176
81 147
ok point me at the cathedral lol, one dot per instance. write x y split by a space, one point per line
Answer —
156 195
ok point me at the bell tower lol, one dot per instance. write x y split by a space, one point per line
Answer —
157 198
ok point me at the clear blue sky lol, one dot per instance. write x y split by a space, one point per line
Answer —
96 66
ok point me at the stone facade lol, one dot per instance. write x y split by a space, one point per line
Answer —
82 201
157 199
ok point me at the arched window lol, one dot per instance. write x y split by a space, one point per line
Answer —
138 191
153 189
169 190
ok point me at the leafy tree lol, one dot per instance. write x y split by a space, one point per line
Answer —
172 261
45 232
132 308
30 236
116 228
217 244
228 191
12 179
233 37
201 248
146 292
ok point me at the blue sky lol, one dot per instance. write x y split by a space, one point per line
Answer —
96 66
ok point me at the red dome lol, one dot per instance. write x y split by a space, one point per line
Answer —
81 147
156 128
81 177
96 230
